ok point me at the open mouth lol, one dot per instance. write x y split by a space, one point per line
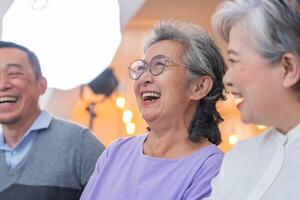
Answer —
238 98
150 96
4 100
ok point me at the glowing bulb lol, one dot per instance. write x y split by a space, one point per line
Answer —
233 139
130 128
261 127
120 102
127 116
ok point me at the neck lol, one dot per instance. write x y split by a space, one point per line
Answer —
173 143
14 132
289 123
169 135
288 118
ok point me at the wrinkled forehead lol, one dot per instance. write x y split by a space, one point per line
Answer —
13 56
167 48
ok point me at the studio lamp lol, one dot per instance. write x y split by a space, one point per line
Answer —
104 85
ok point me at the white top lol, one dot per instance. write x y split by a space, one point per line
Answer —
266 167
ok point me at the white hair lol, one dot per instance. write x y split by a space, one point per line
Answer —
273 24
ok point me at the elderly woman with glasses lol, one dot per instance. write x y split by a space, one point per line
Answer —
177 86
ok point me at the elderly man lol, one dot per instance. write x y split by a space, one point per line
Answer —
41 157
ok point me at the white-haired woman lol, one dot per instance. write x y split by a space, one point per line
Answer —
264 76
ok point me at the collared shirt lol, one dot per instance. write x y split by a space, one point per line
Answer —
15 156
263 168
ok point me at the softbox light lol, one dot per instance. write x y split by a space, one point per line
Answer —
105 83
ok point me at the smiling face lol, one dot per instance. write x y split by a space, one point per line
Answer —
165 96
255 84
19 88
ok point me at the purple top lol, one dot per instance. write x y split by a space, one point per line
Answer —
124 172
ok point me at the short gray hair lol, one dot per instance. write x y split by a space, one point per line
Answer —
201 57
274 24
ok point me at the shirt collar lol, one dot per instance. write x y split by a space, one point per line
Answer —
1 140
41 122
294 134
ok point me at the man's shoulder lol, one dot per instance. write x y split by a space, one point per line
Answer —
62 132
67 126
66 123
67 130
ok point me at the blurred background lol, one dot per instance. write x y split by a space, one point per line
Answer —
91 84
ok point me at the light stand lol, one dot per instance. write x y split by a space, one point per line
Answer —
103 84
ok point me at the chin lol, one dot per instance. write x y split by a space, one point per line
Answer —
246 119
148 118
8 120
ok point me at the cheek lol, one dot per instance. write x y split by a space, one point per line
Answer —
178 88
238 76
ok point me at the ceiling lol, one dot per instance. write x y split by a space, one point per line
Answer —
196 11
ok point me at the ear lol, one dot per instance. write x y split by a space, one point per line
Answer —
201 87
42 84
291 69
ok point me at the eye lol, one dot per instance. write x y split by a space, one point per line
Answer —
231 60
140 68
14 74
159 62
14 71
137 66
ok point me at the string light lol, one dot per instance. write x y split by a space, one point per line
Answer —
120 102
127 116
233 139
130 128
261 127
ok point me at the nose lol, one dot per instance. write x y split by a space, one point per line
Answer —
146 78
4 83
227 80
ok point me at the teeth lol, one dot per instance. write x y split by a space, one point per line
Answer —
150 94
7 99
238 100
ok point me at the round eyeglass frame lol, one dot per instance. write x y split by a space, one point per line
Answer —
134 75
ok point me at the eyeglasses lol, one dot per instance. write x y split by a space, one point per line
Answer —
156 66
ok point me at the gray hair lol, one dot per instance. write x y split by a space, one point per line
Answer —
274 24
201 57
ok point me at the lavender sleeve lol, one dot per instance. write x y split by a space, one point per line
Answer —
201 185
92 181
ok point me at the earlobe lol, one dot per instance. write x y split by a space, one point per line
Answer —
201 87
291 67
